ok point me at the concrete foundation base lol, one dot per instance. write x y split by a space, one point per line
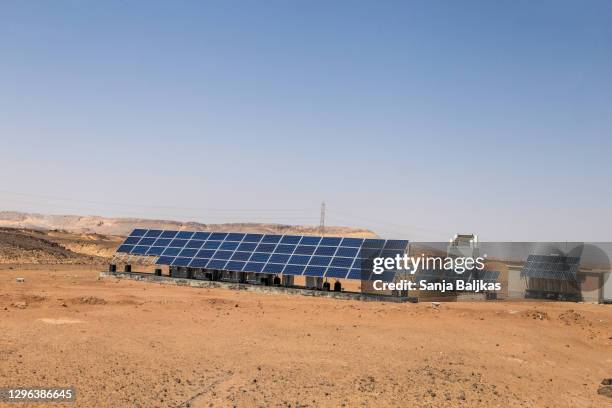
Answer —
148 277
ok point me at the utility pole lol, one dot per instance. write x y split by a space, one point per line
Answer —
322 222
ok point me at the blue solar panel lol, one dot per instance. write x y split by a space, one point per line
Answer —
195 243
252 238
314 271
352 242
132 240
201 235
178 243
348 252
235 265
310 241
279 258
337 273
260 257
140 250
162 242
125 248
247 246
138 232
253 267
172 251
293 269
299 260
229 245
330 241
165 260
332 257
284 249
265 248
218 236
155 251
147 241
271 239
189 252
290 239
180 261
199 262
168 234
205 253
325 250
185 234
342 262
396 244
555 267
216 264
273 268
241 256
212 244
305 250
320 260
223 254
153 233
236 237
374 243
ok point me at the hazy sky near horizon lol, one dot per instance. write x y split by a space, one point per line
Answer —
415 119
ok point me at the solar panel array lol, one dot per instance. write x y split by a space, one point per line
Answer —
331 257
555 267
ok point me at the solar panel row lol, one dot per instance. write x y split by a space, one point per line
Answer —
334 257
551 267
553 259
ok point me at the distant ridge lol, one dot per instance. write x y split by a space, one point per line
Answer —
93 224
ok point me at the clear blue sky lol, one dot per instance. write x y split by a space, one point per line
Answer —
416 119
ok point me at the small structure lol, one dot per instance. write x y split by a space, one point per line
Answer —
465 245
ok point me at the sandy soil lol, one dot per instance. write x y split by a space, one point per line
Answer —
135 344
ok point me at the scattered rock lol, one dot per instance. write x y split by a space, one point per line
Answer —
605 390
535 314
20 305
570 317
89 300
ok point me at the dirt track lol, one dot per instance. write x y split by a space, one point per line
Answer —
135 344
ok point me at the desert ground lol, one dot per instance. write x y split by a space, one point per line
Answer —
135 344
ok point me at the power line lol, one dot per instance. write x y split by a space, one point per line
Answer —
394 225
223 215
322 219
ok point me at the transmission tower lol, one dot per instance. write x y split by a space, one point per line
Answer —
322 222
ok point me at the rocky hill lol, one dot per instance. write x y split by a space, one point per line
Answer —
73 239
22 246
92 224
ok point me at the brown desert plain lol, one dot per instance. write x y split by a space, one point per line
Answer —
136 344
